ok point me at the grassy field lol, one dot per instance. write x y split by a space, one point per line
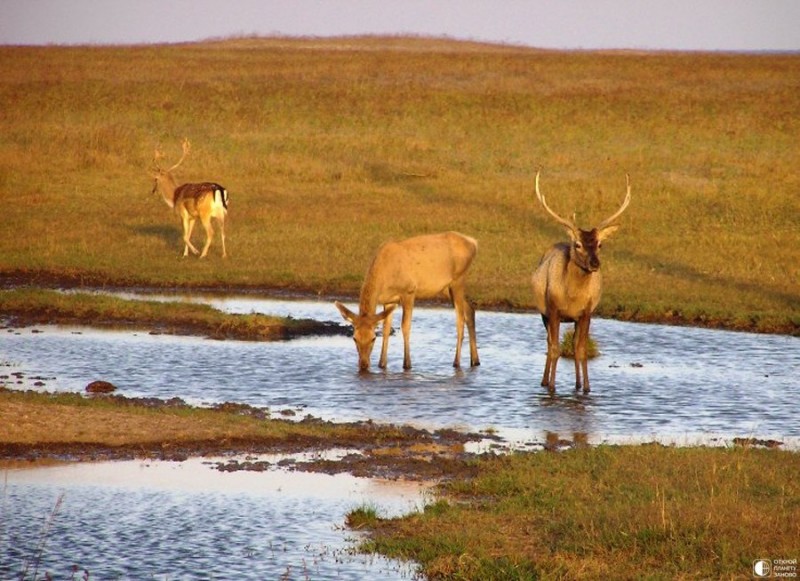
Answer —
329 147
646 512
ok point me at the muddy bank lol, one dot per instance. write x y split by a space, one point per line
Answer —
272 332
35 306
378 450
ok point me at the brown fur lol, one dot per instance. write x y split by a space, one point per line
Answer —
567 285
420 267
204 201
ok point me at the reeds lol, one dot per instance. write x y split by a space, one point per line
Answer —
35 561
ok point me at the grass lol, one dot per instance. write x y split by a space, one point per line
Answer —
330 147
631 512
29 418
35 560
568 346
52 307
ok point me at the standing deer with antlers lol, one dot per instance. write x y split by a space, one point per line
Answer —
567 285
420 267
191 202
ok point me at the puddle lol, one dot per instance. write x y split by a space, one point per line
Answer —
182 520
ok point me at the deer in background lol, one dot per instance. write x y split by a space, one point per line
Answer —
567 285
420 267
205 201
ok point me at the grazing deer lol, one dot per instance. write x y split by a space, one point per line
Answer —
420 267
567 285
205 201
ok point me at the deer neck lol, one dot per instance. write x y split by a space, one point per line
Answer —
166 187
368 303
370 295
580 277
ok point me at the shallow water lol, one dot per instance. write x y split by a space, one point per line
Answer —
651 382
185 520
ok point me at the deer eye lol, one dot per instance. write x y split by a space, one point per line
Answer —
578 246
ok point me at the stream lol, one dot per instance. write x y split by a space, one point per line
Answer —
674 385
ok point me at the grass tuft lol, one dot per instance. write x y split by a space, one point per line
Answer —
568 346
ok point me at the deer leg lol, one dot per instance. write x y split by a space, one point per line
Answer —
553 351
188 226
474 360
581 353
408 308
387 330
457 296
222 234
464 313
209 235
546 375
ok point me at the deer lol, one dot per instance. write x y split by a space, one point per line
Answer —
567 285
191 201
422 267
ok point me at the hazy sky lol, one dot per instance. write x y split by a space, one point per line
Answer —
737 25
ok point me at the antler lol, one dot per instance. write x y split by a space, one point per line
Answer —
617 214
157 155
186 146
569 224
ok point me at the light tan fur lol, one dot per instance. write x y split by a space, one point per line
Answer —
204 201
421 267
567 285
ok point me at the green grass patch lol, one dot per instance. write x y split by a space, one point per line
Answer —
53 307
626 512
363 516
568 346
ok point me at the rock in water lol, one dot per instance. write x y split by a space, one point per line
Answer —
100 387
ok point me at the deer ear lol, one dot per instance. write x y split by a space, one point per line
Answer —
346 313
606 232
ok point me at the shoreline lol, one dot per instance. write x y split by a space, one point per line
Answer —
84 282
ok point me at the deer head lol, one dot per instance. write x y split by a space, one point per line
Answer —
163 179
586 244
364 330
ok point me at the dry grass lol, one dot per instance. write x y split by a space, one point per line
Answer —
45 422
41 419
330 147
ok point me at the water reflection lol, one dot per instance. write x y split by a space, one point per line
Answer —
163 520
